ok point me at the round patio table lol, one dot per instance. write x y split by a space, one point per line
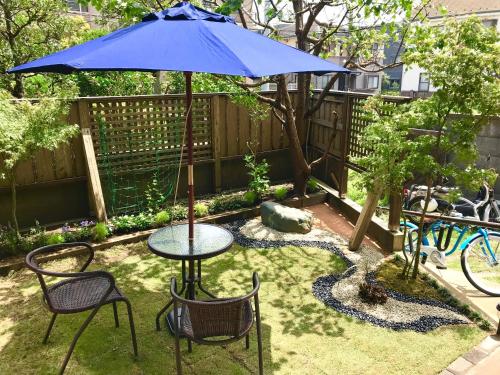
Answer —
172 243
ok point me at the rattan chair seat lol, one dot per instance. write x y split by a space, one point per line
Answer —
218 325
69 296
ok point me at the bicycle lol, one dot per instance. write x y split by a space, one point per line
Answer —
480 251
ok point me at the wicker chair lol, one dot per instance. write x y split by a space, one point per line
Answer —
216 322
79 291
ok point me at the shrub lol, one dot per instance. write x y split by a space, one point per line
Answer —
226 203
162 218
129 223
258 172
55 238
100 232
200 210
312 186
179 212
250 197
280 193
372 293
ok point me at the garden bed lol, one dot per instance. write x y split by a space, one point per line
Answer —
17 262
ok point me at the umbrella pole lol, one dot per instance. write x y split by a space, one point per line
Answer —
189 126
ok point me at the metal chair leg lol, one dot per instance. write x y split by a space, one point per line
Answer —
75 339
115 313
177 343
190 346
51 324
160 313
132 326
259 334
247 341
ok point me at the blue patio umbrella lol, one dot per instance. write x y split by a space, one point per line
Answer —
188 39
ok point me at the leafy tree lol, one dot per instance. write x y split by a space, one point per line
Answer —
356 28
26 128
462 60
31 29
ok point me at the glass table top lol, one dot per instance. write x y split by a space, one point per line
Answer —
172 241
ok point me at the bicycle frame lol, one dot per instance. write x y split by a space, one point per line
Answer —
459 242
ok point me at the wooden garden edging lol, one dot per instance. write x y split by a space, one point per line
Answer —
17 263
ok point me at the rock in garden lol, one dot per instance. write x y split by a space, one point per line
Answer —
285 219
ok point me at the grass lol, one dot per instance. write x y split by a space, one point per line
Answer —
301 335
388 276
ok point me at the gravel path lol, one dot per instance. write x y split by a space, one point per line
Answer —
341 292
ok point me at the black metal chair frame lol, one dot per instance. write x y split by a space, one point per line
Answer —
72 277
188 286
179 301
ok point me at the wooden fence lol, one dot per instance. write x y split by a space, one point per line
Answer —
127 134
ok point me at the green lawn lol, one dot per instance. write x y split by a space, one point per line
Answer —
301 335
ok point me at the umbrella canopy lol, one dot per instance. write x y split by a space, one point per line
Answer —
188 39
184 38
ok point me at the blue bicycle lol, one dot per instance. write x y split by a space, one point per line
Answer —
480 251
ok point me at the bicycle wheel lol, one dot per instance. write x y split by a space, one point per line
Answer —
478 265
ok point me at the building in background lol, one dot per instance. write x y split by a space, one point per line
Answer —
414 80
88 12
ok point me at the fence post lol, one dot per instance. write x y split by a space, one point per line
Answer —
344 146
216 141
94 182
395 206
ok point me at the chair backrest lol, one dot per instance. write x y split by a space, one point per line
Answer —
219 317
32 263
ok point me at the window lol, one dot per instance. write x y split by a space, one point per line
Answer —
423 82
490 23
372 82
74 6
375 49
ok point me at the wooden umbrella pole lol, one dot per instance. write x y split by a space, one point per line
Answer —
189 125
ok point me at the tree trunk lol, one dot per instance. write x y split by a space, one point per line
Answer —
13 202
365 217
421 228
18 90
301 169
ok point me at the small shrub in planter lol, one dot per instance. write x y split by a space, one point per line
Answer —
162 218
100 232
200 210
312 186
250 197
55 238
179 212
226 203
280 193
372 293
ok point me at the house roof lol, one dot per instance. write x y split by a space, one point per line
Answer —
461 7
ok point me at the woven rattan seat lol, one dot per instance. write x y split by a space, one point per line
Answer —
77 292
69 296
216 322
221 325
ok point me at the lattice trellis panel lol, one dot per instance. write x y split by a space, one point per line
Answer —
138 142
138 133
357 125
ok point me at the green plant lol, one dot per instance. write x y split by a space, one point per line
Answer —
155 196
226 203
250 197
258 172
26 128
312 186
200 210
162 218
55 238
100 232
280 193
372 293
129 223
179 212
